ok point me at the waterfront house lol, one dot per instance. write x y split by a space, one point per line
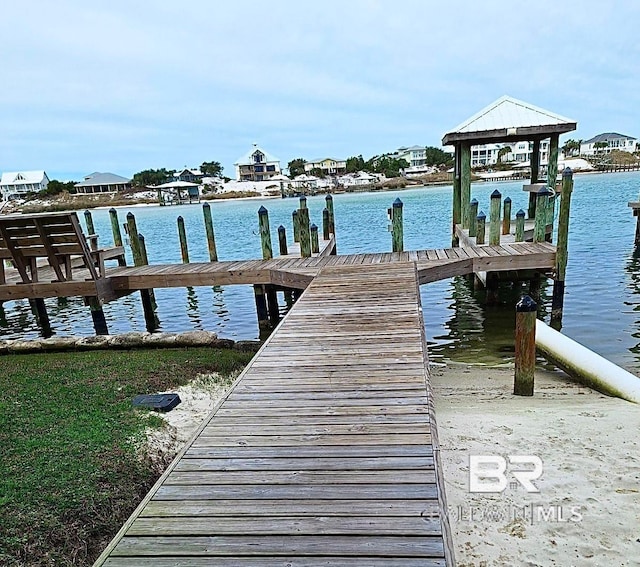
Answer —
304 181
414 155
328 166
360 179
605 143
16 183
257 165
189 175
102 183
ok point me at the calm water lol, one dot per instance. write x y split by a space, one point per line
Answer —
602 305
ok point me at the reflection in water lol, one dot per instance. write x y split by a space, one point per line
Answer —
633 285
192 309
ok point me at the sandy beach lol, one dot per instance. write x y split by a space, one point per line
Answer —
587 510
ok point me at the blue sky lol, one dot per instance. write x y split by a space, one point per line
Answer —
122 86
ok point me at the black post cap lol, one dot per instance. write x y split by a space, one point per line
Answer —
526 305
397 202
112 210
206 205
329 197
520 213
180 219
507 200
281 228
130 215
496 194
543 191
474 201
313 227
481 216
567 172
262 210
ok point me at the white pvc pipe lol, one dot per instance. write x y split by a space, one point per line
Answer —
585 365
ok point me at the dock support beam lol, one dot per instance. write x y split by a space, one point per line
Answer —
465 183
261 306
557 303
535 175
457 197
139 256
525 347
397 237
40 310
97 315
211 238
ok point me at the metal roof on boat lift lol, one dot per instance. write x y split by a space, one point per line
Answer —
508 119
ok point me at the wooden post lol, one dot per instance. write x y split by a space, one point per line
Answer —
551 206
145 262
272 304
397 237
184 247
282 240
552 164
332 221
134 241
457 197
494 218
211 237
520 226
535 176
473 215
465 183
305 235
97 315
265 233
480 230
325 224
117 235
91 231
562 252
540 227
303 202
42 317
296 226
506 216
139 260
315 245
261 306
525 347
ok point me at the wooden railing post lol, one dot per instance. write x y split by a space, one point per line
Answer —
134 241
265 234
282 240
184 247
139 260
397 237
540 227
520 226
91 231
557 303
305 234
506 216
481 221
473 216
494 218
315 245
525 347
211 238
332 221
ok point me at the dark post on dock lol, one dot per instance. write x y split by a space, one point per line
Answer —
282 240
562 251
473 216
265 234
494 218
481 221
211 239
397 237
525 347
117 235
138 260
182 235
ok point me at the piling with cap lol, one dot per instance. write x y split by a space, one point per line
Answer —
211 238
525 347
397 237
473 215
265 234
182 235
506 216
282 240
557 303
520 225
481 221
494 218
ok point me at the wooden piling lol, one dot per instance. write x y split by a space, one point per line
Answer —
138 260
273 308
145 262
296 226
457 197
562 252
535 175
473 215
184 247
42 317
506 216
303 202
305 234
552 165
97 315
261 306
525 347
91 231
397 237
332 221
315 245
481 221
325 224
211 237
465 182
265 233
540 226
117 235
520 226
494 218
282 240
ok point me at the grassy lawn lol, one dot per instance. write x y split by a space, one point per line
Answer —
71 474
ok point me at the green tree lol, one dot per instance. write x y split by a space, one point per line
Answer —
503 152
296 167
151 177
355 164
55 187
436 157
211 168
600 146
389 166
571 148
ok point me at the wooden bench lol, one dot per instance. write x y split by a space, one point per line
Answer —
55 237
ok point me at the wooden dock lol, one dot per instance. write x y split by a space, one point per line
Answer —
323 453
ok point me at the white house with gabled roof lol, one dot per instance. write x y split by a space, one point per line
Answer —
16 183
257 165
607 142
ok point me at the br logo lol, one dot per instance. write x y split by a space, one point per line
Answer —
491 473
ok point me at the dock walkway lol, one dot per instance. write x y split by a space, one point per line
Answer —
323 453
